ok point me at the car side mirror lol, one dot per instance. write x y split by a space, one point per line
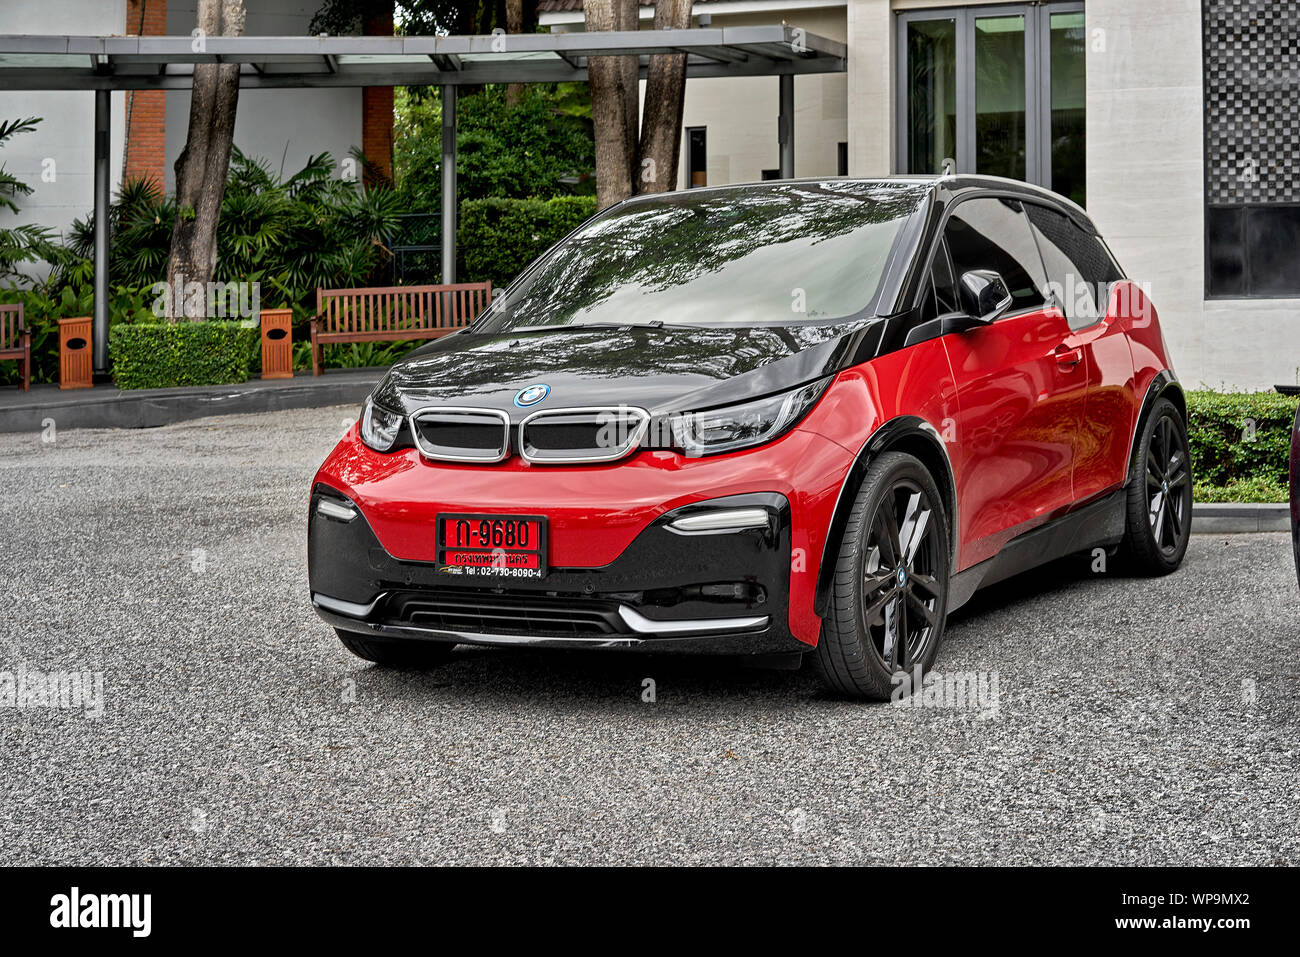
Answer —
984 295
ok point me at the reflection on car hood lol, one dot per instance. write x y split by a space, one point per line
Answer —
662 369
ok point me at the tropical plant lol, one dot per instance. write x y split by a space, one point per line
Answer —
293 236
25 243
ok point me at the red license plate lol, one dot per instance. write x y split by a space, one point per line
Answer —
492 546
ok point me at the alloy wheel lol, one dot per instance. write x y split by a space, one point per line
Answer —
900 590
1168 486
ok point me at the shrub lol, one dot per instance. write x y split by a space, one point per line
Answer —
42 309
157 355
1240 444
499 237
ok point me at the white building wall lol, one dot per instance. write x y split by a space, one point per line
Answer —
57 160
1146 192
284 127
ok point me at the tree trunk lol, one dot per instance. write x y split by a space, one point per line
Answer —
202 166
613 82
514 24
665 96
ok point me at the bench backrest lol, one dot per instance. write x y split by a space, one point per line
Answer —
11 321
401 308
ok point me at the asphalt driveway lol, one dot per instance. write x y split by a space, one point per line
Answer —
1134 722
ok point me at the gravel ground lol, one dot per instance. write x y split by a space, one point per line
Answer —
1136 722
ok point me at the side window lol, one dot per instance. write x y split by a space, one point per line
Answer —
994 234
1076 262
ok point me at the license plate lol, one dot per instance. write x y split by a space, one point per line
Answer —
492 546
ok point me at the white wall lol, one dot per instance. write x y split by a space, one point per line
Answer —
284 127
65 137
1146 193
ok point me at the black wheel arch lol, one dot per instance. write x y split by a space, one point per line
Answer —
916 437
1164 386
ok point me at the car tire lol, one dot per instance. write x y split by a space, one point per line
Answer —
396 653
860 654
1158 510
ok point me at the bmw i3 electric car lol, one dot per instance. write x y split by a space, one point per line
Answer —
790 418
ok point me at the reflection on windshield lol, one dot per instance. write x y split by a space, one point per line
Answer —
779 253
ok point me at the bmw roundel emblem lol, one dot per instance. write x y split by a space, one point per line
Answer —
532 395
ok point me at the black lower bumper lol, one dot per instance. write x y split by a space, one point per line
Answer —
716 593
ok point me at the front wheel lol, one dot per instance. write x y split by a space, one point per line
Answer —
889 596
1159 514
396 652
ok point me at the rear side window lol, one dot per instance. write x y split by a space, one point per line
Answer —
1077 264
994 234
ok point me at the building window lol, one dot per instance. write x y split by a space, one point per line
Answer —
841 159
697 156
1252 196
996 90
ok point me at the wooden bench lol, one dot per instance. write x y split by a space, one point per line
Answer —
393 313
16 342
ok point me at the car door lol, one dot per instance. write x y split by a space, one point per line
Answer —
1020 389
1081 271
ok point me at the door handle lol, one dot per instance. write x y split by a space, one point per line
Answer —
1066 357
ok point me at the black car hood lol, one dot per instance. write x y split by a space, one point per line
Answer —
661 369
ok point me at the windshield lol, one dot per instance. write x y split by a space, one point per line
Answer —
779 254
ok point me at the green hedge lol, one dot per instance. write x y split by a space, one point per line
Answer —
163 354
499 237
1240 445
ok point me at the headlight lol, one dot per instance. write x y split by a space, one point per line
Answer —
743 426
379 426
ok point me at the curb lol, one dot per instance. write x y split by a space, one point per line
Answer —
109 408
1215 518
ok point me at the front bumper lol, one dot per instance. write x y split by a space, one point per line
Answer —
716 592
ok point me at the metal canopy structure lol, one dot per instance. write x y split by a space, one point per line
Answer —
104 64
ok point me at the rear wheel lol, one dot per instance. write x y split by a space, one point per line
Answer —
889 596
1159 513
396 653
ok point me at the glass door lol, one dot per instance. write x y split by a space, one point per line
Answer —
931 94
1001 121
1065 121
994 89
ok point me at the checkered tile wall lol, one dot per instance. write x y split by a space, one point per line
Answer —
1252 101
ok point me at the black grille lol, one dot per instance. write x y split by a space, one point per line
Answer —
524 616
582 435
462 435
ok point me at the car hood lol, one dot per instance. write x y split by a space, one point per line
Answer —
661 369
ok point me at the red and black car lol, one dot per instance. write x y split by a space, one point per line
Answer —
772 420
